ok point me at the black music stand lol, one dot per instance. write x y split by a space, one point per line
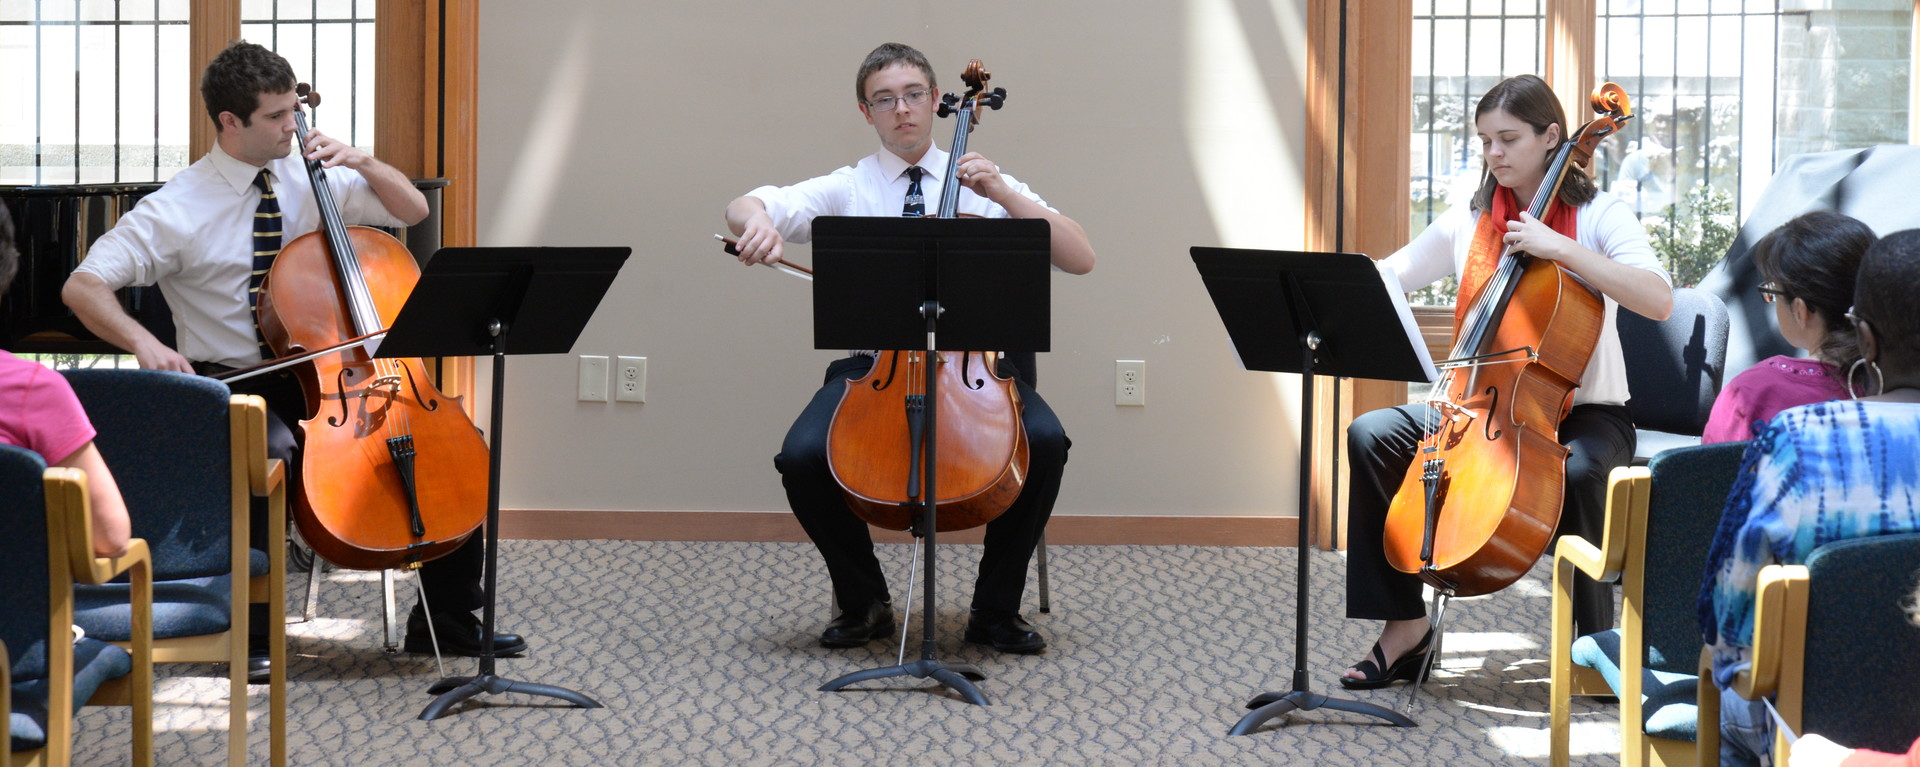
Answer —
468 303
1310 313
887 283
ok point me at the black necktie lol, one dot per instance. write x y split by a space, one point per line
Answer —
266 245
916 203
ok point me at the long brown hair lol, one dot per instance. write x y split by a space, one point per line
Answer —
1529 99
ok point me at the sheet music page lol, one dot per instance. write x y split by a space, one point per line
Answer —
1405 314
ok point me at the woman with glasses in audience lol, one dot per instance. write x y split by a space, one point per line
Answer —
1807 269
1819 473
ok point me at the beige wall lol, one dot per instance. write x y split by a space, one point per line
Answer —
1158 125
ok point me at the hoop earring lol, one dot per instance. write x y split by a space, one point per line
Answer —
1880 381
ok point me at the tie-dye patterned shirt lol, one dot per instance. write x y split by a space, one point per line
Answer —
1815 474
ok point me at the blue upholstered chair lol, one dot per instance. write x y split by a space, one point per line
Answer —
189 457
1675 368
46 540
1834 646
1660 522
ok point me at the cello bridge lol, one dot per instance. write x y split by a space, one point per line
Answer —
1451 411
390 383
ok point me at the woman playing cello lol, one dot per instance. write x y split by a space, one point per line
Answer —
1520 125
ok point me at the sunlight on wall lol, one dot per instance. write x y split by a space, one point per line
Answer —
532 186
1236 137
1235 134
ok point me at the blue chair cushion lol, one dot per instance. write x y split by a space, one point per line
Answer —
184 608
94 662
1667 699
181 608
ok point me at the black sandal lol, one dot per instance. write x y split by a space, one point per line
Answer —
1406 669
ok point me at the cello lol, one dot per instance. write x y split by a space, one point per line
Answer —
395 472
877 440
1481 501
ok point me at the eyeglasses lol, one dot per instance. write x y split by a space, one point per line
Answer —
1769 291
890 103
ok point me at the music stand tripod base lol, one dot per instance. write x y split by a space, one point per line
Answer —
959 676
457 689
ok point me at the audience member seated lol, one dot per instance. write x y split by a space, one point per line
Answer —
1807 269
39 412
1819 473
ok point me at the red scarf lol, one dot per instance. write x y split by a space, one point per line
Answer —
1488 240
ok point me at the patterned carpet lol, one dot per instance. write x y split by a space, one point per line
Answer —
706 654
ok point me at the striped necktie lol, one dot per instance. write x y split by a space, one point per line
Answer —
916 203
266 245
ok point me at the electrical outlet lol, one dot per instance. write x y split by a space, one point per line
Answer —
593 378
630 380
1130 382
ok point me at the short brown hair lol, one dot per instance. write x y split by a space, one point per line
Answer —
889 54
235 79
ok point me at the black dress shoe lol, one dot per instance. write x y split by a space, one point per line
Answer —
259 661
858 626
459 634
1007 632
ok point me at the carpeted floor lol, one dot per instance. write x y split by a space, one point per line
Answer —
706 653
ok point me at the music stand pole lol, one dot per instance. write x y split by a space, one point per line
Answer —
1302 697
959 676
467 302
453 690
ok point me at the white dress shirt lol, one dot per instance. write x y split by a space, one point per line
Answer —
875 186
1605 225
194 238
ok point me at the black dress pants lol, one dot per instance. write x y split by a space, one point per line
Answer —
1380 447
452 582
842 537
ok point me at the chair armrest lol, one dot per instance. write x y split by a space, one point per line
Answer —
1576 551
66 494
137 559
1626 501
1780 601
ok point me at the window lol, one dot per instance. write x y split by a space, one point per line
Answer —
96 91
104 97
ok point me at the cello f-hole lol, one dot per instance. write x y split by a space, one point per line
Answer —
340 385
1492 407
429 404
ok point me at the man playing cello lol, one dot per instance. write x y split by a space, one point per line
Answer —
897 94
195 239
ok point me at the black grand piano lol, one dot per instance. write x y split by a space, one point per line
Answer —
52 227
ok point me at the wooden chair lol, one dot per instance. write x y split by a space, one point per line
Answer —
1660 521
189 457
46 540
1834 646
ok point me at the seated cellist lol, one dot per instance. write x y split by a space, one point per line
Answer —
196 238
1520 124
896 94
